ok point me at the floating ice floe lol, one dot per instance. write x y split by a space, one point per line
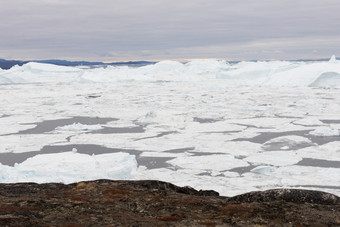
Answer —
264 170
79 127
69 167
210 162
325 131
274 158
308 122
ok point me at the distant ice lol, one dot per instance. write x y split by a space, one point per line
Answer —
333 59
271 73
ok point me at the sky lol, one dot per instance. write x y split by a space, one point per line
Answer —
122 30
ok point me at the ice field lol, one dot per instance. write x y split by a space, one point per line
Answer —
232 128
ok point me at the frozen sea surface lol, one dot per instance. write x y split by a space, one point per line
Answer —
207 124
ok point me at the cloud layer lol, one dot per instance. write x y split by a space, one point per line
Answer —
112 30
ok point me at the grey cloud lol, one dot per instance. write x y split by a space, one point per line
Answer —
132 28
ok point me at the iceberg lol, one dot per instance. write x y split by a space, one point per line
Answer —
333 59
261 73
328 79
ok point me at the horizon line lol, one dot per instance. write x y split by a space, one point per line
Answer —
170 59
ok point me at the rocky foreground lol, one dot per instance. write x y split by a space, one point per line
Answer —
155 203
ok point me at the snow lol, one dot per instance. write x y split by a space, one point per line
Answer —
208 124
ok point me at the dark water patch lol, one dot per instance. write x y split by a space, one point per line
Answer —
93 96
204 174
158 135
328 98
204 153
205 120
50 125
154 162
114 130
180 150
240 156
319 163
250 126
89 149
242 170
210 174
161 81
221 132
313 126
330 121
190 151
11 158
288 117
320 140
267 136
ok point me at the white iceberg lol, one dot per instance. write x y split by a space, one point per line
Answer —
270 73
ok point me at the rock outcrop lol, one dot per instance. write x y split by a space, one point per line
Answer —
156 203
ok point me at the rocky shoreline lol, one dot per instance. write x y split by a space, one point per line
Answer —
156 203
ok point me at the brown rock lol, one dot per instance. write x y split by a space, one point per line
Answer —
156 203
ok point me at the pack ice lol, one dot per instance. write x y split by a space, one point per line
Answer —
208 124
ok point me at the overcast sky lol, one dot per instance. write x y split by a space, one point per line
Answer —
116 30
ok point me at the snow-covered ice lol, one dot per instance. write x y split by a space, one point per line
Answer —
69 167
206 123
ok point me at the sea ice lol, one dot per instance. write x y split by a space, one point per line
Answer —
208 162
208 116
308 121
69 167
79 127
274 158
325 131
